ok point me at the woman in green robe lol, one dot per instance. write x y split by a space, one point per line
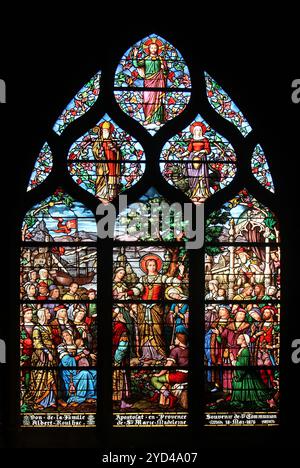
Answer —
248 389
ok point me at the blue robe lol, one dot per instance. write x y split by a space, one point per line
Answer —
84 381
180 327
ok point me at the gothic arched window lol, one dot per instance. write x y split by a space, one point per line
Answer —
114 330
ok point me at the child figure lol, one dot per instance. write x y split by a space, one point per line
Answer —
221 294
83 353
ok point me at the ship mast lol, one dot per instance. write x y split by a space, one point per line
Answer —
77 259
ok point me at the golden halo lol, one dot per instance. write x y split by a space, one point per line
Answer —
147 257
153 40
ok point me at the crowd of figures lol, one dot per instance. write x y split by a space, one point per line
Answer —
39 285
147 336
239 274
238 339
217 291
150 334
58 347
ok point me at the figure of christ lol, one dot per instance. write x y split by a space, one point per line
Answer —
108 170
197 167
162 381
153 69
120 356
150 322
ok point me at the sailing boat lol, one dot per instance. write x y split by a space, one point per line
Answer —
63 276
65 279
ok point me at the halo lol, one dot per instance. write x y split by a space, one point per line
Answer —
147 257
198 124
153 40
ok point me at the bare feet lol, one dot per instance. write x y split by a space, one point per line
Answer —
62 403
74 404
125 405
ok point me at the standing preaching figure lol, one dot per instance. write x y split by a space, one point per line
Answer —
153 69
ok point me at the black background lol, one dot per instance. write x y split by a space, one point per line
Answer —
44 65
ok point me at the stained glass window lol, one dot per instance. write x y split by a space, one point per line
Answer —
260 168
242 219
58 314
198 161
242 313
59 218
152 82
144 286
150 335
130 227
80 104
224 105
42 167
106 160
